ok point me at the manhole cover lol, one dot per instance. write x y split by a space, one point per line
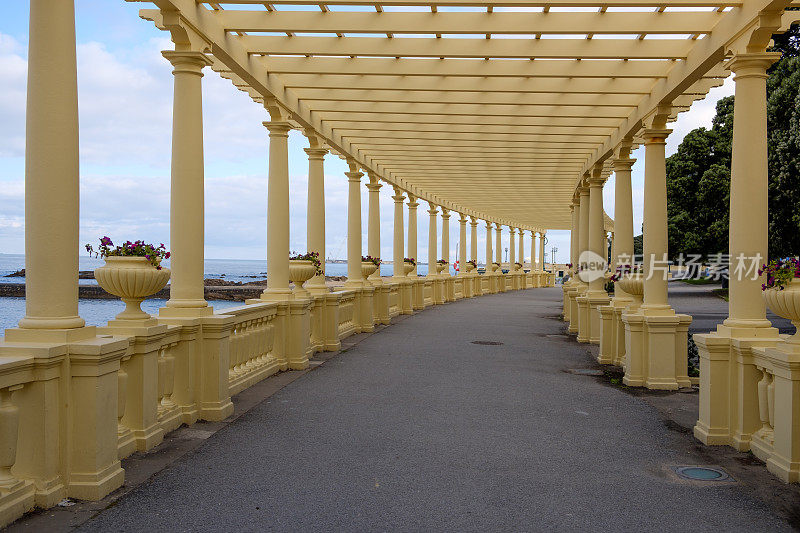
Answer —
702 473
584 371
487 343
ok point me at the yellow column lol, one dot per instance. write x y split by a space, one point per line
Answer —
534 258
655 220
374 225
489 254
473 248
51 170
512 254
623 210
462 243
574 237
446 240
186 197
749 186
583 228
541 250
315 232
597 232
412 231
278 213
522 248
398 270
432 240
499 243
354 276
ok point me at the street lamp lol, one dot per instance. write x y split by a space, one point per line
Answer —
553 251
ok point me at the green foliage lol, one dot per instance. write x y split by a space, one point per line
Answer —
698 174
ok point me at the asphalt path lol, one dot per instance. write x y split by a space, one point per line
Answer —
416 428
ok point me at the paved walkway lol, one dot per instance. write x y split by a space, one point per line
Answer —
417 429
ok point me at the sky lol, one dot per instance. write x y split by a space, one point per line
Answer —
125 103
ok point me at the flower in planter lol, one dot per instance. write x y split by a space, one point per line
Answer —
308 256
441 262
623 270
473 263
780 272
369 259
154 254
410 260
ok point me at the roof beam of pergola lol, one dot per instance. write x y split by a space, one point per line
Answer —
479 84
466 48
501 3
467 97
496 68
520 23
527 110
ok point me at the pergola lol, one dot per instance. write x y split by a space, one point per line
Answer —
511 112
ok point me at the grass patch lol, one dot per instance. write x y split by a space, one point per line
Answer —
722 293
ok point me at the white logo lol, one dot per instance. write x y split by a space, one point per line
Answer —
591 266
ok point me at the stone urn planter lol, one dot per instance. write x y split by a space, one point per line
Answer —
300 271
440 267
469 267
368 268
632 284
786 303
132 279
408 268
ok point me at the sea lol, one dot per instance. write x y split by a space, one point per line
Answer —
98 312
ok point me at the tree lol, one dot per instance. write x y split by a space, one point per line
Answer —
698 174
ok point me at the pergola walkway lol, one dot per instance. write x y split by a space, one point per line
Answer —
417 429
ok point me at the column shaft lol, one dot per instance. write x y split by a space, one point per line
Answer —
623 211
541 251
51 169
446 239
399 234
535 266
597 232
374 222
574 237
655 219
522 248
473 249
512 254
278 212
187 212
748 235
412 230
489 258
462 243
315 231
354 275
499 244
432 241
583 223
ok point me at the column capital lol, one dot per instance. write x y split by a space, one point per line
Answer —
498 226
433 209
751 65
412 202
187 61
462 217
622 164
277 128
354 176
316 153
373 187
398 196
596 180
583 191
473 221
445 213
655 135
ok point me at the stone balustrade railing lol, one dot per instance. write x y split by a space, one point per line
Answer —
69 413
